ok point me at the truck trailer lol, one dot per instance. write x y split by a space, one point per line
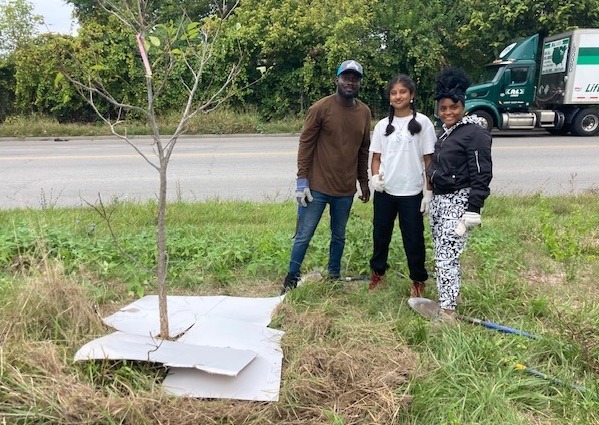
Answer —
554 86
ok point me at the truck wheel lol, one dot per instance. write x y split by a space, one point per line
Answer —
486 118
586 123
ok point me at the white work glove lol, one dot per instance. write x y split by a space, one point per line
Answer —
377 182
468 221
302 192
427 195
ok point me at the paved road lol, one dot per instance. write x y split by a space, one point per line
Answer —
43 172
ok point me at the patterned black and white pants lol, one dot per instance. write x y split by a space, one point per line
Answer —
445 214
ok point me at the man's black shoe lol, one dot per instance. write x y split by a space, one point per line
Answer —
289 283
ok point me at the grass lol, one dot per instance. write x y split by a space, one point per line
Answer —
351 356
221 121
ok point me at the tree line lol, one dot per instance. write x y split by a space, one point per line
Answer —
288 49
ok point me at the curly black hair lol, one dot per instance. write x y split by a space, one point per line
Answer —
452 83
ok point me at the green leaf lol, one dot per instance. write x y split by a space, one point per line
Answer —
59 79
192 25
154 40
99 68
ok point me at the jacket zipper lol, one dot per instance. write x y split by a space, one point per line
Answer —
477 163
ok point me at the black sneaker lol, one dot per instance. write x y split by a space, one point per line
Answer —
289 283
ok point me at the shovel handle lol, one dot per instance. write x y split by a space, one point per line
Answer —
524 368
498 327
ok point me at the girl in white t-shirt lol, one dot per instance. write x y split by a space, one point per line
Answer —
401 146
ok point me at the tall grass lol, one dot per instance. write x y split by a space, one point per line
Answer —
352 356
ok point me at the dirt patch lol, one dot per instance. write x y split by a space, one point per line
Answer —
556 287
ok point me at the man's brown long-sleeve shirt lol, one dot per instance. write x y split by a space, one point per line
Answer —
333 146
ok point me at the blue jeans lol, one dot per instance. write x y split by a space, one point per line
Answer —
309 217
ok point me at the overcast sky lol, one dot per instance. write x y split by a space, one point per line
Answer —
57 15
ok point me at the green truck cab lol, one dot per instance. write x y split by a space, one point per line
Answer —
554 86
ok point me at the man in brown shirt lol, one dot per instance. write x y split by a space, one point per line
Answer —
332 156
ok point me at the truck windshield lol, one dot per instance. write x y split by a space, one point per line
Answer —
489 74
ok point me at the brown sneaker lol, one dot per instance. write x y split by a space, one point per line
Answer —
375 281
417 289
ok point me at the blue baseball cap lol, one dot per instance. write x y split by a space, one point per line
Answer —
350 65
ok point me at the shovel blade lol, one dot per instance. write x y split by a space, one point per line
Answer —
424 306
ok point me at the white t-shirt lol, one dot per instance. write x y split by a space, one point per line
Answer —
402 162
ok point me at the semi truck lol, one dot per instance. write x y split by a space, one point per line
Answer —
554 86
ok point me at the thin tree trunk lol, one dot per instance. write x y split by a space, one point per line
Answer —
162 255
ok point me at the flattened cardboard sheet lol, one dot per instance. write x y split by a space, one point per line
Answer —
224 350
259 381
142 317
120 346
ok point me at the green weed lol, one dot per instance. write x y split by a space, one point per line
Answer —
561 231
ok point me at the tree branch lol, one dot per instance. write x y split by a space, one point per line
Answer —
106 216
